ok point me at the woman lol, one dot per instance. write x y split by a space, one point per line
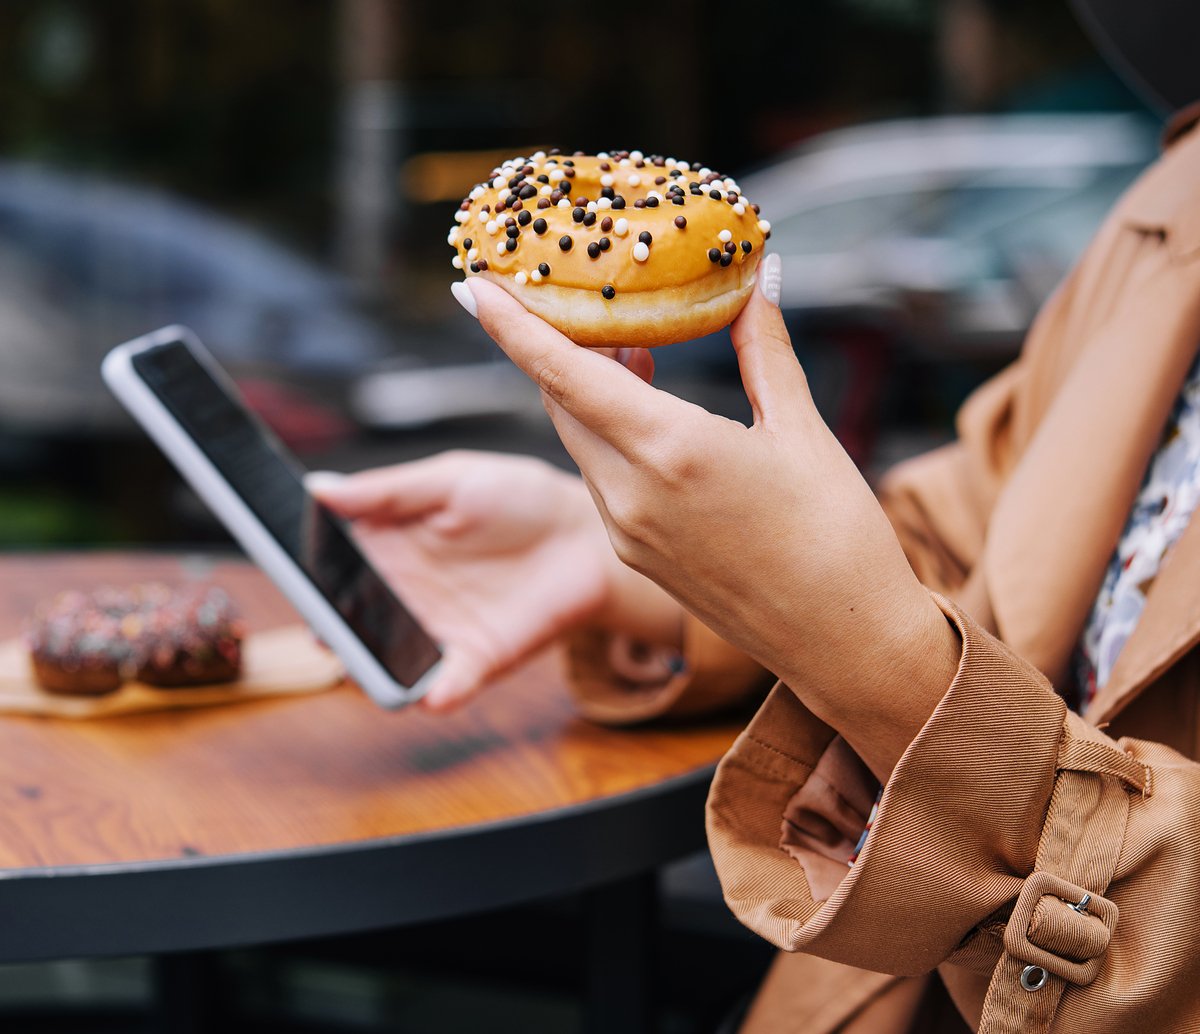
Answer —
1046 864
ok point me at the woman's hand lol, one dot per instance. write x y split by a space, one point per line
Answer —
768 534
496 555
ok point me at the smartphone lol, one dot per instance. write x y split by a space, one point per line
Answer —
190 407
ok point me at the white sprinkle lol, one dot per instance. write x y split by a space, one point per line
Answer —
739 209
521 278
535 276
606 180
456 262
538 155
604 203
498 182
621 227
625 163
452 236
685 167
492 227
634 180
476 194
564 203
472 255
461 217
500 249
603 156
724 236
641 252
482 217
637 156
556 175
591 206
505 194
706 171
671 163
764 226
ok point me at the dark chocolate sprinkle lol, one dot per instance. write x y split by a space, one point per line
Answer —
651 202
577 214
715 195
528 191
618 202
677 199
680 221
726 259
746 247
544 268
510 244
593 250
565 242
539 226
714 254
589 219
468 244
474 267
543 178
608 291
646 237
524 219
604 243
513 231
608 192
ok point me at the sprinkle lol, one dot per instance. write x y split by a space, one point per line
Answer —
604 204
476 194
543 203
730 247
724 236
635 180
461 217
456 262
589 219
680 221
639 203
482 265
452 236
747 247
726 259
524 219
739 208
492 227
565 242
714 254
646 237
513 231
500 247
606 224
604 243
505 194
544 268
535 276
474 267
591 206
618 202
637 156
578 213
764 226
621 227
510 244
483 216
472 255
593 250
640 252
539 226
606 180
556 175
545 191
608 291
498 182
564 203
521 278
652 201
684 166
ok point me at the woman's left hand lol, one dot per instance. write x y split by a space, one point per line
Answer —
766 533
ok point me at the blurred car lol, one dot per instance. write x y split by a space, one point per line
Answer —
953 230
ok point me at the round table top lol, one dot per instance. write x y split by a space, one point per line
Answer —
300 816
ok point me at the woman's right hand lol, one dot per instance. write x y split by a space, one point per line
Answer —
497 556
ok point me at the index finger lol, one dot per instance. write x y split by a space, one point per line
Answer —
601 394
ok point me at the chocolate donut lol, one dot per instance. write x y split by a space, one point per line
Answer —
88 644
617 248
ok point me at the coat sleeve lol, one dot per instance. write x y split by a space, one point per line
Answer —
1005 810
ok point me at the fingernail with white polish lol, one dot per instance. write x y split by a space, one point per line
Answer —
317 481
770 278
464 297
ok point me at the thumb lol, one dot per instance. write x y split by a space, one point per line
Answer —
771 374
397 493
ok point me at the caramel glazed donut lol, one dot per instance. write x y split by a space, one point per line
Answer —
614 249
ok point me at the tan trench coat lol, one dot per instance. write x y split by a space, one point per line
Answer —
1007 808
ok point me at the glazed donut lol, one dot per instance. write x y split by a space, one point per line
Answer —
616 248
89 644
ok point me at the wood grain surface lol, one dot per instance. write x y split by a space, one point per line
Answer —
298 772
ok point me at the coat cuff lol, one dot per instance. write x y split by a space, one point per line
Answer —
713 676
956 832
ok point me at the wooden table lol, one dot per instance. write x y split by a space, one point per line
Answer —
272 820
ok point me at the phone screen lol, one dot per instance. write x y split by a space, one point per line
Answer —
260 469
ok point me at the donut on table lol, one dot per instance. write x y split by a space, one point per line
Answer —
616 248
88 644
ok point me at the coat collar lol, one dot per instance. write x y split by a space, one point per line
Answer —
1062 510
